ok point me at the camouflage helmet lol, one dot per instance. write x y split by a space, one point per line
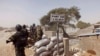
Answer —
24 26
33 24
18 27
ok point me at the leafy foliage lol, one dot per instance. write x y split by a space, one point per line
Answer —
82 24
98 22
69 14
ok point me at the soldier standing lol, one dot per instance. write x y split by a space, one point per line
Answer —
39 32
18 40
32 34
26 34
33 31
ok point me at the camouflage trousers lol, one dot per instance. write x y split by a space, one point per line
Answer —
38 37
19 51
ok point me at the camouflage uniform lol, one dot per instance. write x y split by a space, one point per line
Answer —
26 34
39 33
33 32
19 41
32 35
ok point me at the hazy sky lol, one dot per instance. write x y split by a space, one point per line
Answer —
14 12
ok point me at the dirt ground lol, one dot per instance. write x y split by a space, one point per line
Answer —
85 43
91 43
8 49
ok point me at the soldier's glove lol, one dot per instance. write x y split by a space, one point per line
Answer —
7 41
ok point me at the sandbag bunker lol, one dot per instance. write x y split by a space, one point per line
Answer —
48 47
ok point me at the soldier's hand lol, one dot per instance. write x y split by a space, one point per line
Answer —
7 41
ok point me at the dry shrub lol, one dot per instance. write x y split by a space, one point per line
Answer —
91 52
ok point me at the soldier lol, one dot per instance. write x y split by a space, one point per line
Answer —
33 31
32 35
25 30
39 32
32 28
26 33
18 40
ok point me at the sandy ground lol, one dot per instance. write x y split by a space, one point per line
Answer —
85 44
8 49
91 43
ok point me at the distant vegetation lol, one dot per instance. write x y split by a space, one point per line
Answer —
72 12
98 22
1 28
82 24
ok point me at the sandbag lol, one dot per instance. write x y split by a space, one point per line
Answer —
50 45
61 51
42 42
54 39
44 36
46 53
41 49
55 53
61 45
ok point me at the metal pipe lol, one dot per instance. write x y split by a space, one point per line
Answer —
57 39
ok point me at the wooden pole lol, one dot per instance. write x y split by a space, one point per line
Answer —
66 46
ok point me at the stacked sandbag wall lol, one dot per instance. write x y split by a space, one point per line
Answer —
48 47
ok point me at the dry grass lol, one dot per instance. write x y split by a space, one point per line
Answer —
91 43
8 49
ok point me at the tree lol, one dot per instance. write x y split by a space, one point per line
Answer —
98 22
82 25
69 14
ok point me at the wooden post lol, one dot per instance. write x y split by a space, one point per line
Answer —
66 46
